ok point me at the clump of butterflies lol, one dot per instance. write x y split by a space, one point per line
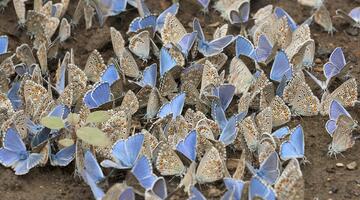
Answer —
133 119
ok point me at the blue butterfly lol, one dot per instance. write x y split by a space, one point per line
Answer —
281 87
295 146
110 74
98 95
335 110
281 67
107 8
158 190
125 152
244 47
4 43
225 94
279 12
269 170
195 194
210 48
187 146
127 194
64 156
143 172
149 76
259 189
92 175
167 62
174 107
22 69
60 84
204 4
186 42
234 189
61 111
264 49
227 126
14 154
281 132
150 20
242 15
13 95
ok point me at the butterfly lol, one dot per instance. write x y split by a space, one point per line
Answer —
14 154
295 146
335 110
311 3
125 152
158 190
173 31
167 62
20 11
89 13
168 162
64 30
281 133
143 172
24 53
279 12
110 74
269 170
187 146
149 76
261 190
323 18
353 17
173 107
346 93
107 8
291 182
240 76
195 194
204 4
98 95
234 189
241 15
186 43
139 44
211 167
120 191
228 126
281 67
92 174
150 20
210 48
332 68
4 42
128 64
13 95
94 66
64 156
300 97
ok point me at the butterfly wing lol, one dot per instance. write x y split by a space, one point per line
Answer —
92 167
281 132
281 13
101 93
149 75
4 42
336 109
187 42
64 156
244 47
110 75
167 62
160 21
264 49
177 104
8 158
187 146
133 147
269 170
127 194
13 142
236 185
295 147
259 189
143 172
336 63
195 194
281 67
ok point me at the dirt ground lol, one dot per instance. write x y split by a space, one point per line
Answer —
323 180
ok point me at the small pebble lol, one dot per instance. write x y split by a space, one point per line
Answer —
340 165
328 179
351 166
318 61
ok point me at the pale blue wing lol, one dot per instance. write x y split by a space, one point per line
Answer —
143 172
221 43
133 148
8 158
244 47
187 42
187 146
4 43
279 12
61 111
127 194
96 190
281 132
269 170
12 141
64 156
244 12
13 95
330 126
159 188
23 166
89 101
195 194
204 3
236 185
281 67
105 8
225 93
197 28
60 84
160 21
281 87
355 14
229 133
177 104
110 75
258 189
165 110
92 167
295 147
101 94
336 109
150 75
337 58
167 62
218 114
142 23
264 48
